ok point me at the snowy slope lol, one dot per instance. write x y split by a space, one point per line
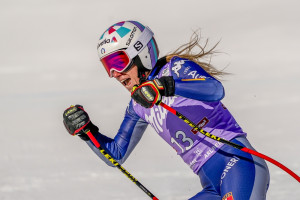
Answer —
48 61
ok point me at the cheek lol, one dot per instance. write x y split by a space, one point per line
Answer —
136 81
134 76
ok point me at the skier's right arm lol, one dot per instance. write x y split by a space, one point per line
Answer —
129 134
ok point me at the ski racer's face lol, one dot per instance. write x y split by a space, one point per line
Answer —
129 78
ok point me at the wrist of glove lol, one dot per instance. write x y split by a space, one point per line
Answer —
76 120
150 93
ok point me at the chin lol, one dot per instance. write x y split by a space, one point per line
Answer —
129 89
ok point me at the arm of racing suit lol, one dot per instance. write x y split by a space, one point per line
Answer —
191 81
129 134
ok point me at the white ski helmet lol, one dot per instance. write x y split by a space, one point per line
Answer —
125 42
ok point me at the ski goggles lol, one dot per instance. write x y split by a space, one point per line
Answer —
117 61
121 60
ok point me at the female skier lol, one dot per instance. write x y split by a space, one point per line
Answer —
129 53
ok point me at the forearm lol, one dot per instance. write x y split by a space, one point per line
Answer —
129 134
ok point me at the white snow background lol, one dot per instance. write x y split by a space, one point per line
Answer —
48 61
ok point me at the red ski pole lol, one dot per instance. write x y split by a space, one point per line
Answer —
245 149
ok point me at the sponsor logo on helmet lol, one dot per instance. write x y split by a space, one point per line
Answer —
131 36
106 41
114 40
228 196
102 51
138 45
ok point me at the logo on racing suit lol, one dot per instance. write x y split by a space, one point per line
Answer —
200 124
193 74
186 69
166 72
229 165
212 149
177 66
158 114
228 196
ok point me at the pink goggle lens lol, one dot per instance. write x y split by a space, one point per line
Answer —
117 61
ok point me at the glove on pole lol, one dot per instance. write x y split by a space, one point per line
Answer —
245 149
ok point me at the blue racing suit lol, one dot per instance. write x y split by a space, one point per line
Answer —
225 173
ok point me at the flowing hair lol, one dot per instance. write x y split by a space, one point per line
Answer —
198 53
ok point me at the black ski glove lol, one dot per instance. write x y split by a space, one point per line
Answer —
76 120
151 92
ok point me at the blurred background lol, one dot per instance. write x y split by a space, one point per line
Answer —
48 61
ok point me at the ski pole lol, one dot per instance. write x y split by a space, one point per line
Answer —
122 169
245 149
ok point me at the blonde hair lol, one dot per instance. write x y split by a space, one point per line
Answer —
187 51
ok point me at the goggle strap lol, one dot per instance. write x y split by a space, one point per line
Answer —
135 48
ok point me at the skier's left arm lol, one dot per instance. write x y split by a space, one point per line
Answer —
128 136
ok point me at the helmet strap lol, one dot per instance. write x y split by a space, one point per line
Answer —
141 69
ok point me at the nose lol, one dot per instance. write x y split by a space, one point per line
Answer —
115 74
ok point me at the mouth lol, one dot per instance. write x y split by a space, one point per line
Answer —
126 81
